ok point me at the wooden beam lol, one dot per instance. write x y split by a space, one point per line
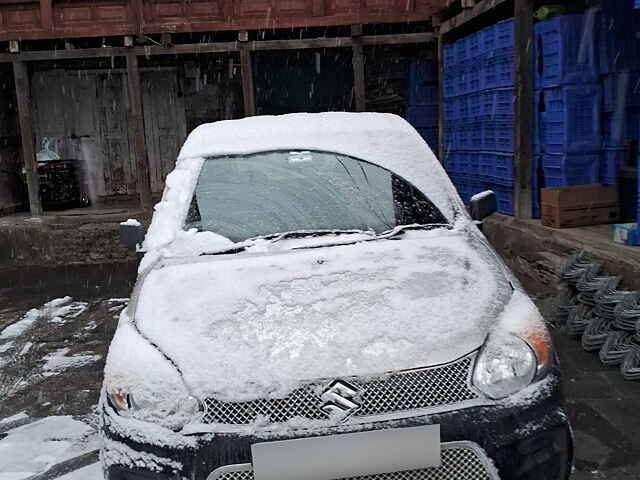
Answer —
469 15
357 59
223 47
23 96
136 132
246 71
46 14
523 109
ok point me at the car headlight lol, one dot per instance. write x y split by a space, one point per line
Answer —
505 365
516 353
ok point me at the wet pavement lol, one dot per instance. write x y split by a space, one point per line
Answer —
53 366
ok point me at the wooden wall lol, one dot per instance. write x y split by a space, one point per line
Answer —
41 19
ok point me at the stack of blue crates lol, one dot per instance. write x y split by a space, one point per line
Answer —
478 113
568 96
421 109
621 103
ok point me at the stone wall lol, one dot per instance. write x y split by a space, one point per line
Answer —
35 242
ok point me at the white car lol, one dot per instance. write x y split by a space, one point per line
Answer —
314 302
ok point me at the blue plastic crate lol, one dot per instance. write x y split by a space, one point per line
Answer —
422 115
448 55
460 47
632 123
614 129
498 102
497 135
620 90
496 167
474 45
504 196
612 160
465 162
462 185
571 169
538 98
617 47
470 81
462 137
449 137
450 79
497 72
565 51
448 110
474 104
422 86
571 122
430 136
498 36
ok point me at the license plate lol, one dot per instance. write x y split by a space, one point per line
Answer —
347 455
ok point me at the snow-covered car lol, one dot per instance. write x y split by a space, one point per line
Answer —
315 302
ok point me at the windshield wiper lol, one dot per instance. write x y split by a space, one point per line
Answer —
401 229
227 251
276 237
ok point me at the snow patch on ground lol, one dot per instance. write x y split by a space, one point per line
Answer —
21 326
58 310
36 447
58 361
15 418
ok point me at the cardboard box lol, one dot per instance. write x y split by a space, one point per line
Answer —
579 206
626 233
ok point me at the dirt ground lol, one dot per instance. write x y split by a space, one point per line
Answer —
603 407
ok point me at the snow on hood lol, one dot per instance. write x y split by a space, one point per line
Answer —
383 139
249 325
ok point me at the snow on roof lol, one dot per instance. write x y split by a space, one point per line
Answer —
383 139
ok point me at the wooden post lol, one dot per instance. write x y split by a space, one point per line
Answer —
136 132
359 83
246 71
440 72
23 95
523 131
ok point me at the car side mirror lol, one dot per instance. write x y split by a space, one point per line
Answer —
131 233
482 205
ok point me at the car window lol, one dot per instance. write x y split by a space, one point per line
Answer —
246 196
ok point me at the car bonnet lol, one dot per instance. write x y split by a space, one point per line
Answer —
245 326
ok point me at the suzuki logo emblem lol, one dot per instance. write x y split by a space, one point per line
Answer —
338 399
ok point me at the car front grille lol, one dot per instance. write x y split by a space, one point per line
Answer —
392 393
459 460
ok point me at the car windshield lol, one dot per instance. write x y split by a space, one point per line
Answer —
247 196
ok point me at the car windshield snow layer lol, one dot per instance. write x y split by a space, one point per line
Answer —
254 195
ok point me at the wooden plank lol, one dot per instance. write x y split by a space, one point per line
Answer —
136 132
23 96
357 58
523 109
195 48
46 15
469 15
248 92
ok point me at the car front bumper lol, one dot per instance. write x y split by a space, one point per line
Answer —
526 438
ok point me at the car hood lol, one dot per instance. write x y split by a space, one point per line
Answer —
247 325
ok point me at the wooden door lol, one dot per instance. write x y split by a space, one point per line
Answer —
164 123
118 165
